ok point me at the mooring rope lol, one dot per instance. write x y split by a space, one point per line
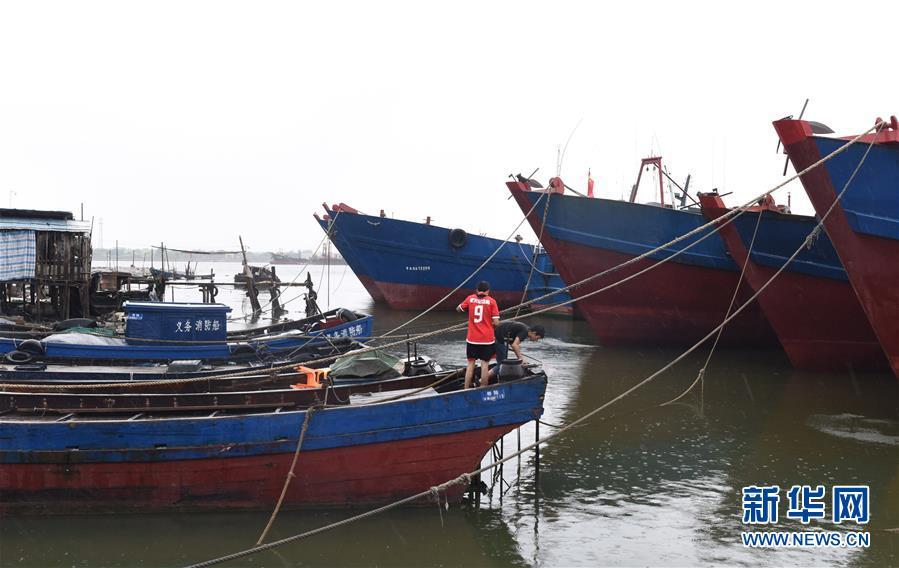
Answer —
726 218
700 376
533 266
290 473
466 478
533 262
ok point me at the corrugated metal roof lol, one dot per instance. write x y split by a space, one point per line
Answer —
49 225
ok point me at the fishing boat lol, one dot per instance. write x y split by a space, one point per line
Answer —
373 449
676 303
166 376
157 331
412 266
864 224
811 305
295 387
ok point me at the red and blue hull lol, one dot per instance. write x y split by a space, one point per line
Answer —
412 266
351 456
675 304
864 224
811 305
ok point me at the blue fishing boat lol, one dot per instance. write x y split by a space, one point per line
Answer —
157 331
676 303
811 305
864 224
412 266
375 448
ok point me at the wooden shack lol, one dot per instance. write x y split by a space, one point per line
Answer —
45 264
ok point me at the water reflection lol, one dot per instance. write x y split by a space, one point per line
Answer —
639 485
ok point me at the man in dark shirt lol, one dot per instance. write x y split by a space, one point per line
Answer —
510 334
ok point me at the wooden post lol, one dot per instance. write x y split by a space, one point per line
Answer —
275 293
251 281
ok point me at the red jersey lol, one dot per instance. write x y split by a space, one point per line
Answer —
482 310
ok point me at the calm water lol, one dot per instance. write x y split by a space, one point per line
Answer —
643 485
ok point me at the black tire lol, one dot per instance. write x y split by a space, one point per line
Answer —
346 315
458 238
32 347
242 350
19 357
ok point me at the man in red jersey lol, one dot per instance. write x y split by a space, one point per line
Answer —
483 314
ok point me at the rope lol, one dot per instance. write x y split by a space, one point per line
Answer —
734 212
700 376
290 474
534 266
533 262
466 477
476 270
726 219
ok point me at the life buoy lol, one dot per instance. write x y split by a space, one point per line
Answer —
19 357
458 238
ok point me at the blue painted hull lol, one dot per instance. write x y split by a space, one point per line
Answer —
871 205
411 265
779 236
360 329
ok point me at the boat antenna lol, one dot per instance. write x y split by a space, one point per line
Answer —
565 149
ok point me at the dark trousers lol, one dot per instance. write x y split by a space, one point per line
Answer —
502 350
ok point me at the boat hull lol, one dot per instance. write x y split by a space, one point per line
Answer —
356 454
816 317
345 477
864 226
675 304
360 328
412 266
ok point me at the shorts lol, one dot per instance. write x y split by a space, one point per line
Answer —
481 352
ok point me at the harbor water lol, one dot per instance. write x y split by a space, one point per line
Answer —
639 484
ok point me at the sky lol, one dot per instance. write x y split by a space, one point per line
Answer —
195 122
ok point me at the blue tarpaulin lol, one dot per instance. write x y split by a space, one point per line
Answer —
17 255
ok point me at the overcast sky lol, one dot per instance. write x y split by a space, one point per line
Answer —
193 122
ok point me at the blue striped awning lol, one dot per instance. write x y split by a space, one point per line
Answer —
17 255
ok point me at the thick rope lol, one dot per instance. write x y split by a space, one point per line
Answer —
533 262
466 477
534 266
290 474
700 377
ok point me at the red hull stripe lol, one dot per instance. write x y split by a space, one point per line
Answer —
342 477
674 304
